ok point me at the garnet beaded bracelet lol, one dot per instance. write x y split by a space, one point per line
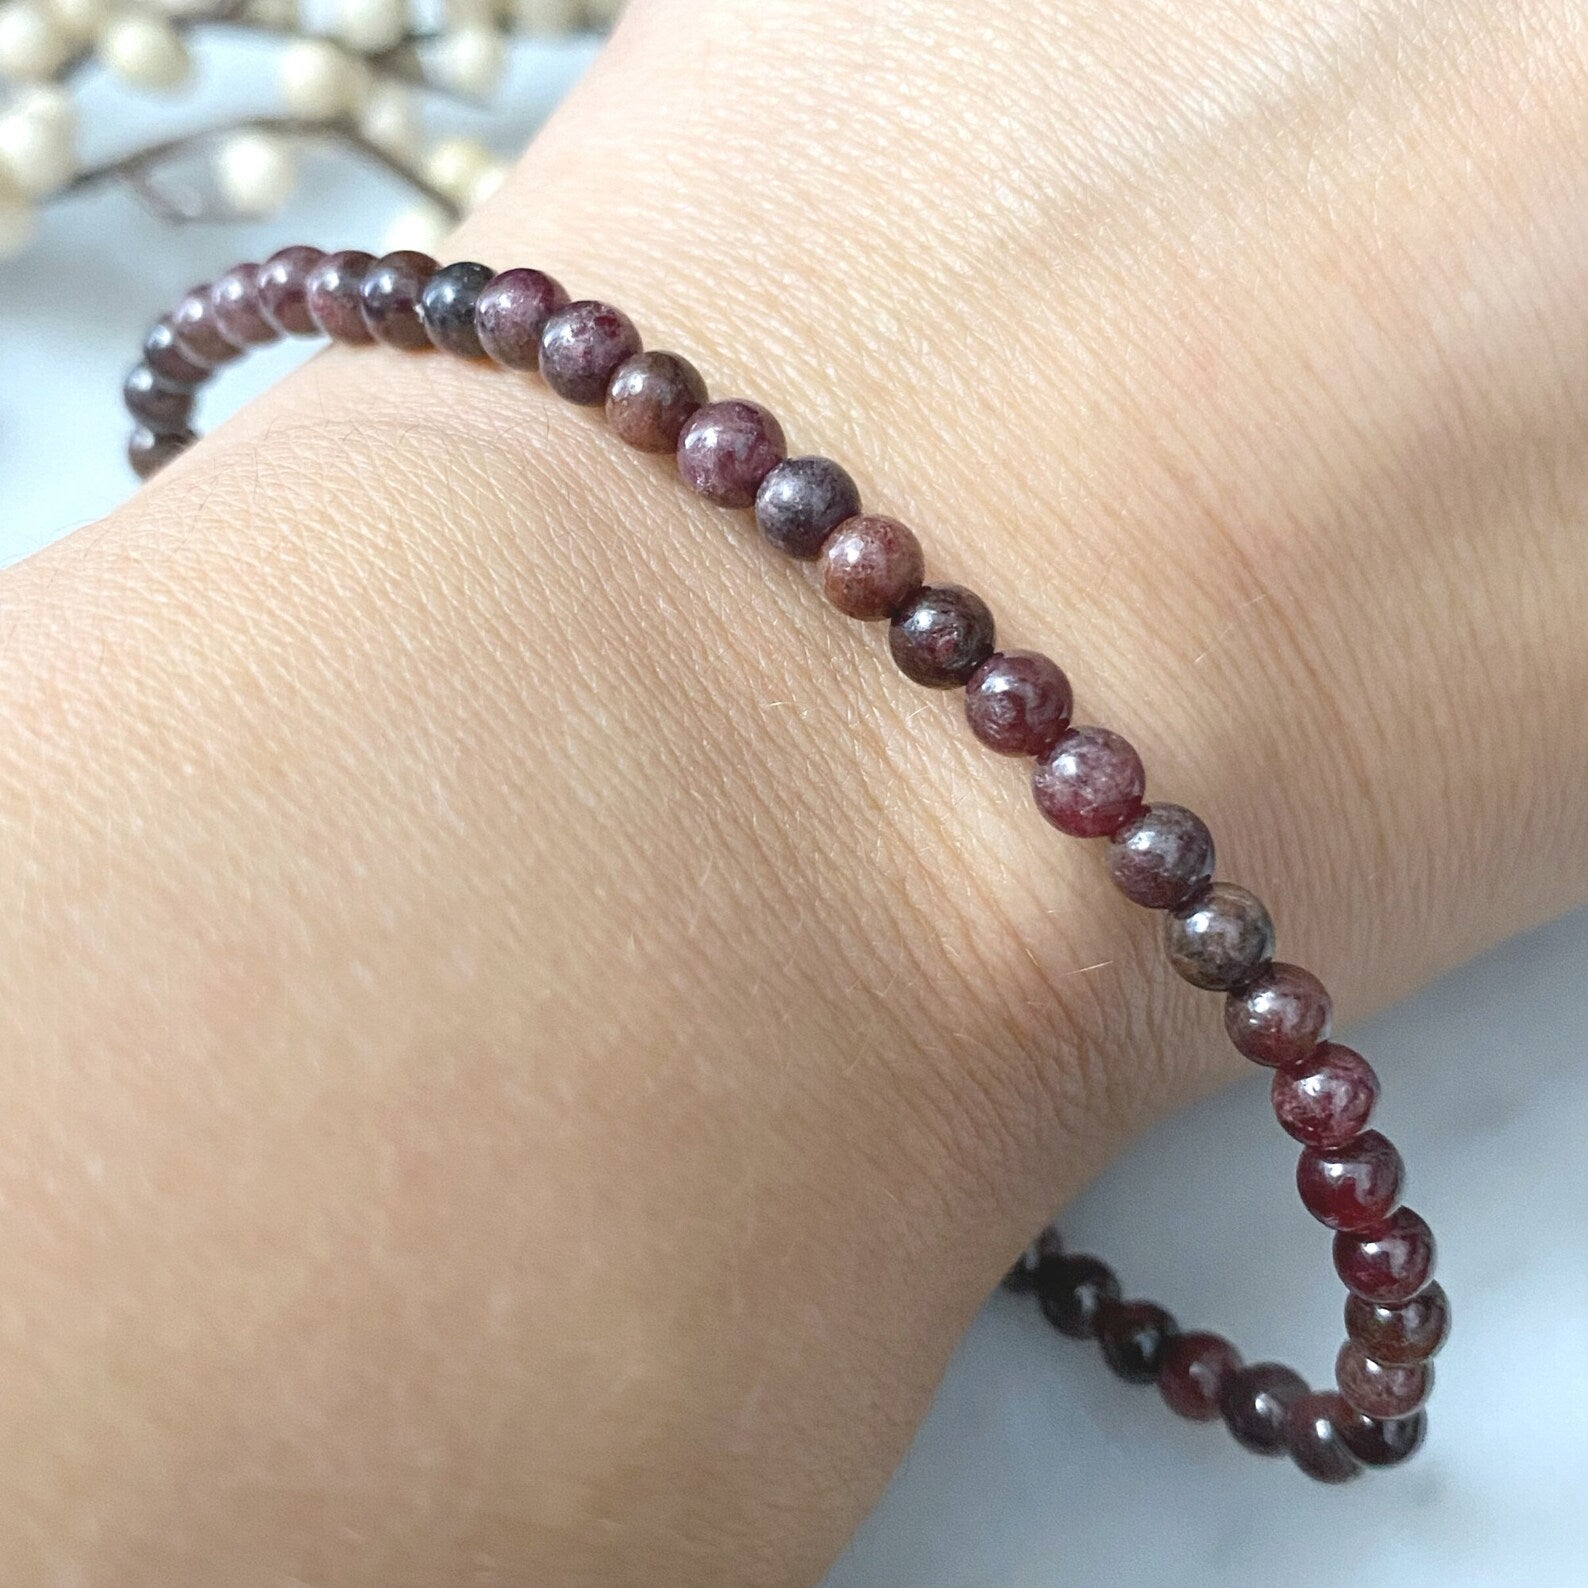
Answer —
1088 782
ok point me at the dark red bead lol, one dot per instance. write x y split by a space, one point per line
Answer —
1388 1263
1162 856
871 565
511 313
1134 1336
1411 1332
1279 1016
802 501
1090 783
1255 1401
148 452
1351 1187
1071 1289
335 303
1380 1442
284 290
159 405
1219 938
1192 1374
1022 1277
941 635
390 294
163 354
1018 703
446 307
581 346
198 332
727 449
652 397
234 300
1381 1389
1327 1098
1312 1435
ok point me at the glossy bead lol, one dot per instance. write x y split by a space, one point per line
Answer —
1071 1289
165 357
1018 703
802 501
446 307
727 449
334 298
235 303
148 451
581 346
512 311
1134 1336
390 294
1220 937
1254 1402
1090 783
1327 1098
1192 1374
1383 1442
1381 1389
1388 1263
871 565
1411 1332
1312 1435
159 405
1351 1187
1022 1277
198 332
1160 857
652 397
284 290
941 635
1279 1016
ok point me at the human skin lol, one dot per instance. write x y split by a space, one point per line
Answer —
525 1041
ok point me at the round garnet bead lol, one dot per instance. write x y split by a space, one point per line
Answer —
1279 1016
801 502
1327 1098
391 292
447 305
149 451
1388 1262
1161 857
941 635
1018 703
1351 1187
198 331
512 311
727 449
238 311
1090 783
163 354
1255 1401
652 397
1072 1289
1411 1332
1220 937
284 290
161 405
334 295
1380 1442
871 565
581 347
1134 1336
1312 1435
1022 1277
1192 1374
1381 1389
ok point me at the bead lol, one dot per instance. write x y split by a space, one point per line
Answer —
1381 1389
1326 1099
470 59
1219 938
1022 1277
1385 1442
157 404
1279 1016
801 502
1160 857
1090 783
1134 1336
941 635
1254 1402
1018 703
256 171
149 451
234 302
652 397
511 313
1351 1187
390 294
284 290
319 79
1312 1435
446 307
1192 1374
145 51
1411 1332
198 335
727 449
333 292
1071 1289
871 565
1388 1263
581 346
162 354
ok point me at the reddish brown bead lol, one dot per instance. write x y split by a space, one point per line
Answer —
165 357
284 290
1134 1336
1254 1402
335 304
1379 1443
1279 1016
727 449
1327 1098
159 405
1018 703
652 397
1312 1435
1022 1277
234 301
148 452
1071 1289
446 307
1412 1332
1388 1263
198 332
941 635
511 313
1219 938
390 295
1162 856
1381 1389
581 346
801 502
871 566
1192 1374
1090 783
1351 1187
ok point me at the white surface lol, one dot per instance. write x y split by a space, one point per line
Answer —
1036 1469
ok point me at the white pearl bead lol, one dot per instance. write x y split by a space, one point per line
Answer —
455 164
470 60
319 79
35 151
145 51
48 103
372 25
32 42
422 226
18 221
391 121
256 172
548 17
